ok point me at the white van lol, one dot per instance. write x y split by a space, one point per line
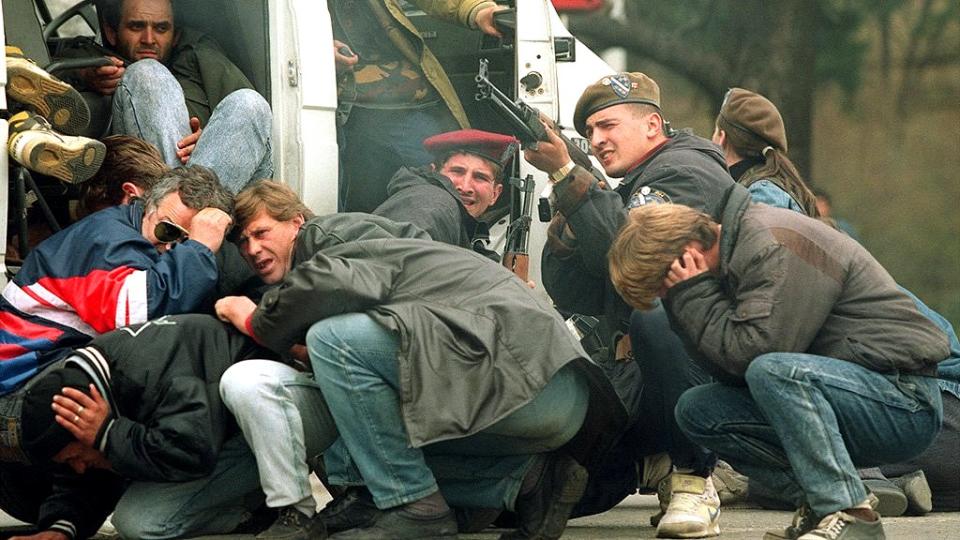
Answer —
284 48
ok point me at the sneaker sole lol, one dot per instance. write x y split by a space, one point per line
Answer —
892 501
712 530
692 530
55 100
917 490
72 165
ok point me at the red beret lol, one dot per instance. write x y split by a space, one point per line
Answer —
495 147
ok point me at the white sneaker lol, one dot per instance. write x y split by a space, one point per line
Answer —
694 509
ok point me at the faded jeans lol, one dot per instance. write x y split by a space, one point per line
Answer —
355 362
214 504
804 423
235 143
285 421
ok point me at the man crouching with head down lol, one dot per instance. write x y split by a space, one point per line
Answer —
828 364
389 316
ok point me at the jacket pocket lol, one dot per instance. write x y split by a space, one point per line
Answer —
752 309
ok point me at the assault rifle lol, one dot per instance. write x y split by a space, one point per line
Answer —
526 124
516 255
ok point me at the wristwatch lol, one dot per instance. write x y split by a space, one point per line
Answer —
562 172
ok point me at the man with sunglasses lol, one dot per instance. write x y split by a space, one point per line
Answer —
121 266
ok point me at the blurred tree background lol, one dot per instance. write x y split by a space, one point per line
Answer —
870 95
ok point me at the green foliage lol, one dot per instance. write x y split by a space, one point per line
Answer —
841 47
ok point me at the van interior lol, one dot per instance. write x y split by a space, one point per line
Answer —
63 39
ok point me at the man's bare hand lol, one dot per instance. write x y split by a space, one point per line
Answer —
187 144
104 79
235 310
44 535
209 227
343 56
691 264
550 155
81 414
484 20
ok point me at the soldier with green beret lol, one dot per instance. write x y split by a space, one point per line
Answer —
622 116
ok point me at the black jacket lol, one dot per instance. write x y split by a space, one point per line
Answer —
168 420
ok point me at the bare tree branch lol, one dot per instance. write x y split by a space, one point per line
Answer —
706 69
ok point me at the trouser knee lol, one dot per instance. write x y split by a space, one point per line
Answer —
148 74
246 103
765 370
239 383
693 411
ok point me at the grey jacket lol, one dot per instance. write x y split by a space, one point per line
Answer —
475 342
789 283
428 200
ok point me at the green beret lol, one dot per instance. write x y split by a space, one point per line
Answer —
753 113
614 90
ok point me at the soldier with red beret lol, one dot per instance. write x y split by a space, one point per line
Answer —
449 197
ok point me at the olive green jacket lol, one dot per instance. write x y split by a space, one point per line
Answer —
405 36
475 342
204 72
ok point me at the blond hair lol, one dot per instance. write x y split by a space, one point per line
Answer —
275 198
654 236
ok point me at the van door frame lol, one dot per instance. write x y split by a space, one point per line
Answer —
4 168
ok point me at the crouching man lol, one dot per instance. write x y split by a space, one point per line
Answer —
826 365
448 380
139 403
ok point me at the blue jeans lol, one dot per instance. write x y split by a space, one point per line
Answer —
215 504
355 362
235 143
667 371
375 143
804 423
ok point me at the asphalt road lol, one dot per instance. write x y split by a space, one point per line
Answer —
630 520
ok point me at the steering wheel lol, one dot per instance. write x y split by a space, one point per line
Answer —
84 9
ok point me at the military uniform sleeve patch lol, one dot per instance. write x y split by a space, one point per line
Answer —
645 195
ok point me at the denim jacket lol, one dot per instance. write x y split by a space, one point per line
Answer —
948 371
766 192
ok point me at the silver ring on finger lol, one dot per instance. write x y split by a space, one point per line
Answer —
79 409
76 418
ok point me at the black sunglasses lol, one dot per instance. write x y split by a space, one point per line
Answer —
169 232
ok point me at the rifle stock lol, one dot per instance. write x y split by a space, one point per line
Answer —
518 263
516 255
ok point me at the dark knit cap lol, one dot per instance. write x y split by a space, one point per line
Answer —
43 437
614 90
753 113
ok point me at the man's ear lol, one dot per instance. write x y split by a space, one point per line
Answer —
654 125
109 35
130 191
497 190
721 137
299 220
